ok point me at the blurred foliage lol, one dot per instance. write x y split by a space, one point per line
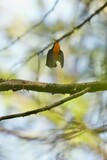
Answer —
72 125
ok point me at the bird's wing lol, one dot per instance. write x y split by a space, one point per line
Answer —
50 60
61 58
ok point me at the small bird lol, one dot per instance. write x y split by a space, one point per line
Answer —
54 55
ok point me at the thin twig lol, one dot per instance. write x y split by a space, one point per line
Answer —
22 134
46 108
69 33
61 38
30 29
84 22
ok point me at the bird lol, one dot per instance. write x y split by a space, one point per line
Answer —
55 54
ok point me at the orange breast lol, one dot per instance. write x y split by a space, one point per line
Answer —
56 48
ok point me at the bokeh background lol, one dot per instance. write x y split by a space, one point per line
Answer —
73 130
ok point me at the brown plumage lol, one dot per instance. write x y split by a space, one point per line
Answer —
54 55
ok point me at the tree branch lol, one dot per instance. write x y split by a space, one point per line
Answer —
23 135
30 28
17 84
53 105
64 36
68 33
84 22
61 38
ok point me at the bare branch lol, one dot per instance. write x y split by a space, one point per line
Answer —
17 84
64 36
46 108
61 38
69 33
31 28
22 134
72 133
84 22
